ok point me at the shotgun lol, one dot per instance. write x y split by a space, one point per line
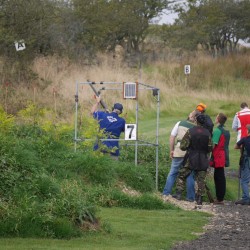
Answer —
97 94
209 195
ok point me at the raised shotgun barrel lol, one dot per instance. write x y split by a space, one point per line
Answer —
97 94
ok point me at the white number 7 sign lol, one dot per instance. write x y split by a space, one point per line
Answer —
130 132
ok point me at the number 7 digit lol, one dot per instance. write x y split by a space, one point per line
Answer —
132 128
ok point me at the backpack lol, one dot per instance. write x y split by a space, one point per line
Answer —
226 133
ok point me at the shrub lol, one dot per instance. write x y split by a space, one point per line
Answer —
96 170
145 154
137 177
48 190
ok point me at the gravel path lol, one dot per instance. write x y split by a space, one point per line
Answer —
229 228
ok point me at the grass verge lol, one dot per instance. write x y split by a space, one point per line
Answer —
128 229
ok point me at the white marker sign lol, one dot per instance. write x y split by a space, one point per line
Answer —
20 45
130 132
187 69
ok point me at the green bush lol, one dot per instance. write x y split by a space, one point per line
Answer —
32 225
47 187
145 154
146 159
96 170
48 190
137 177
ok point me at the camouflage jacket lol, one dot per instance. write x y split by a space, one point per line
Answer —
198 143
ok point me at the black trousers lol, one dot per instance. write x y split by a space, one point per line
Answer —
220 183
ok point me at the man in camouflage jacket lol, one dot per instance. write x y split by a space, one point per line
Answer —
198 143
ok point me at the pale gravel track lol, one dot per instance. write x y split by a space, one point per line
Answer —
229 228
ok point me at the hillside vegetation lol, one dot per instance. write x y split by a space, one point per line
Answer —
54 186
221 83
47 189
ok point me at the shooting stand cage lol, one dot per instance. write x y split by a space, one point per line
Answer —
130 90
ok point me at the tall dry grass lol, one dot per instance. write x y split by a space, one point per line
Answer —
221 83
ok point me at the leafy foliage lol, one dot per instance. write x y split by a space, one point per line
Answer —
47 190
216 26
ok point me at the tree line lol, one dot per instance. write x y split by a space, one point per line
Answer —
79 29
214 24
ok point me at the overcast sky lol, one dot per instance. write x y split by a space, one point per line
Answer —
167 18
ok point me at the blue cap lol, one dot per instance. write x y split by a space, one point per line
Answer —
118 106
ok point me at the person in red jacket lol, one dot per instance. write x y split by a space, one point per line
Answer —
241 119
220 157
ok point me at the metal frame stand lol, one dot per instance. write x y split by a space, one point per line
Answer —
137 142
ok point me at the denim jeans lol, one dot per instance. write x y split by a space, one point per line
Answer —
173 173
244 181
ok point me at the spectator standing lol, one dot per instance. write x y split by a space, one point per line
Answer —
177 156
244 145
220 157
197 141
112 126
241 119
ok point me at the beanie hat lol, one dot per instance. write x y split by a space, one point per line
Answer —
118 106
201 119
201 107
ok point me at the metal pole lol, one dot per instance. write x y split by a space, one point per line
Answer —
157 141
136 142
76 114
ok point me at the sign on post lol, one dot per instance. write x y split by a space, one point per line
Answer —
187 69
130 132
20 45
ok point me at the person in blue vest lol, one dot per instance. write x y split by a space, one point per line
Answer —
112 125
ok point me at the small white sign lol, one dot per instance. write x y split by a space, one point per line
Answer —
20 45
187 69
130 132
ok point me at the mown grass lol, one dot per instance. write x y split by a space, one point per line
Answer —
129 229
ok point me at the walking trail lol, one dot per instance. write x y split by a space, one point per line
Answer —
229 227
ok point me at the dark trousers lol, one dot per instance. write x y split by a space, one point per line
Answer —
220 183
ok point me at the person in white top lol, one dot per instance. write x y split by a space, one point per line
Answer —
241 120
177 156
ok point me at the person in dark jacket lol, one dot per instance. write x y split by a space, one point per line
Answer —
197 141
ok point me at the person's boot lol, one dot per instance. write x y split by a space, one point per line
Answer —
199 200
177 195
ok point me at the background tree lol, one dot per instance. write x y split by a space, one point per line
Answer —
27 21
108 23
215 24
